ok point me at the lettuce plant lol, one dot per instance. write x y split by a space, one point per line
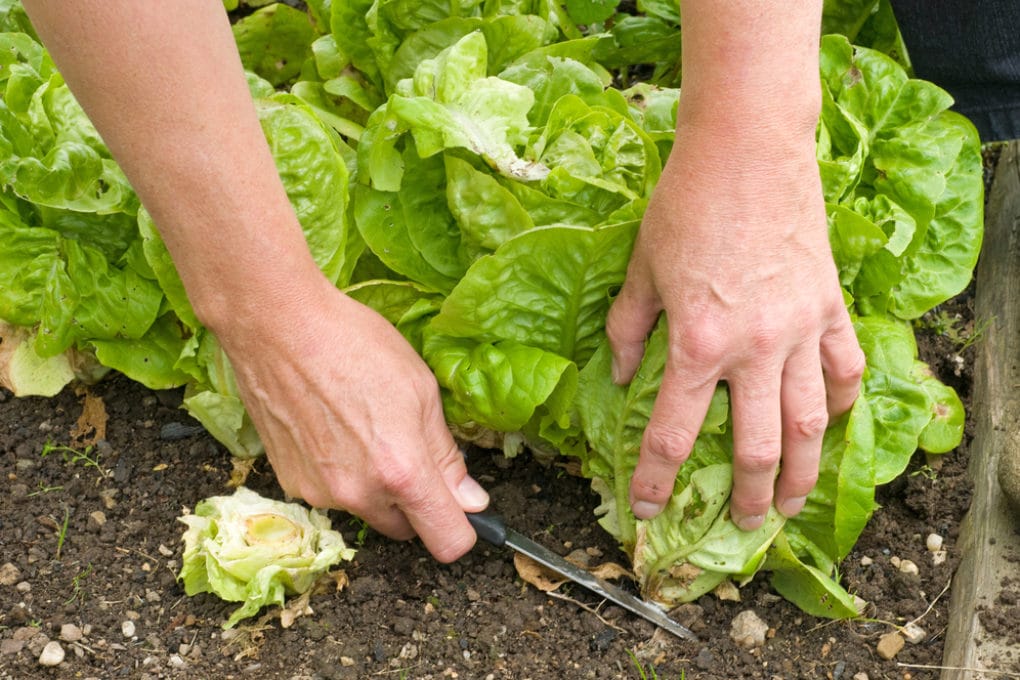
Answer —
472 171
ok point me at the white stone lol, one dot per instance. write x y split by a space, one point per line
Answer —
128 628
933 542
748 630
867 561
52 654
908 567
913 633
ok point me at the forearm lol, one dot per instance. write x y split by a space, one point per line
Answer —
750 67
163 83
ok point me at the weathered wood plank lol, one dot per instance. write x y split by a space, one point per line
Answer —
988 536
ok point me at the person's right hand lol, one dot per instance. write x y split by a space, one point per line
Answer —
349 414
351 418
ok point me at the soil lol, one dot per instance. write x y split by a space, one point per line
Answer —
403 615
90 548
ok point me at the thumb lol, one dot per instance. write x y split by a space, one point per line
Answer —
469 493
631 318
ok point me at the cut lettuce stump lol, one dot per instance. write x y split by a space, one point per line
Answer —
254 550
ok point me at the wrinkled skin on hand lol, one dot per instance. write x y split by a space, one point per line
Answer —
734 249
351 418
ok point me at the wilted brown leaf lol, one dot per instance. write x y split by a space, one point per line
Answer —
534 573
241 468
91 425
548 580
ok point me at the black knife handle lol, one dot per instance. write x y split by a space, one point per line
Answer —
488 526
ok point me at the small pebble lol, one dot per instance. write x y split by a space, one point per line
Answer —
861 676
37 643
908 567
748 630
889 645
939 557
175 431
867 561
96 521
10 646
128 628
895 561
52 654
933 542
9 574
70 633
23 587
176 661
913 633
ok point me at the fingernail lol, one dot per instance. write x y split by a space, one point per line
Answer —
749 523
791 506
616 372
472 496
645 510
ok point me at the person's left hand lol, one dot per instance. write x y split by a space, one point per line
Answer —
734 249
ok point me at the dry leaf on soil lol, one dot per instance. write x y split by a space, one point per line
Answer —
548 580
91 425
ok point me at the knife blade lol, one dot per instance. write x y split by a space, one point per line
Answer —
492 529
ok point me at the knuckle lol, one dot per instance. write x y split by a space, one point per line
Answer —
626 329
750 506
800 482
765 338
423 384
671 444
761 458
702 345
852 369
397 477
651 488
810 425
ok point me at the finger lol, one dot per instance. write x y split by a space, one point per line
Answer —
757 437
435 510
843 364
441 524
631 318
388 521
676 418
805 418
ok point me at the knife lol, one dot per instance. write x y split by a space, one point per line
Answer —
491 528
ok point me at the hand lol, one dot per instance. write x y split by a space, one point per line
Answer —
351 418
734 248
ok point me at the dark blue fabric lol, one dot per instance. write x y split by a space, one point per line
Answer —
972 49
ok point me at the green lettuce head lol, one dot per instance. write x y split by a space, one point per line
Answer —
250 549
